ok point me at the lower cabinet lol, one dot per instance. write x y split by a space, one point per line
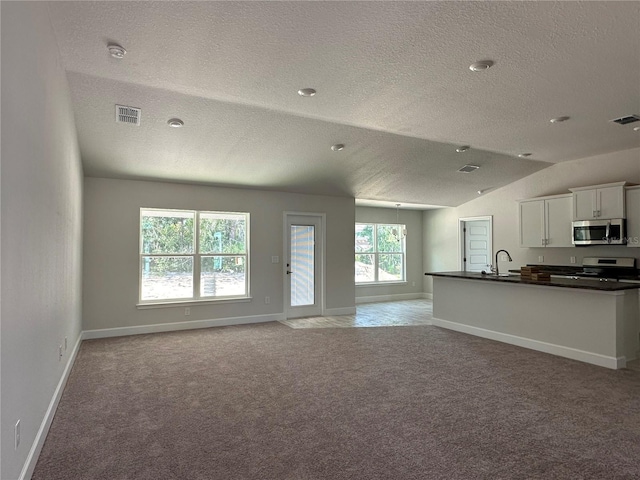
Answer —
546 221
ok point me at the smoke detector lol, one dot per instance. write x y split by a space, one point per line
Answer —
469 168
130 115
626 120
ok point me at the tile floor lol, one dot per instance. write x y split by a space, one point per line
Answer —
382 314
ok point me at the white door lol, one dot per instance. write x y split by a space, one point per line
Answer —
303 262
477 246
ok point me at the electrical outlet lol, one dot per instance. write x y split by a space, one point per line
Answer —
503 257
187 311
17 434
413 284
275 259
572 259
65 344
267 300
59 352
541 258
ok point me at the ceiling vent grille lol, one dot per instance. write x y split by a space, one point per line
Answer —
469 168
130 115
626 120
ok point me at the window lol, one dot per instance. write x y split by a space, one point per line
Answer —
191 255
380 253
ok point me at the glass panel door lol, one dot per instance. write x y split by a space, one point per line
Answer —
302 265
303 253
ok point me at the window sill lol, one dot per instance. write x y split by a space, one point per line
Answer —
380 284
189 303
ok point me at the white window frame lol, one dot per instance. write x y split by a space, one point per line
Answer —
196 298
403 240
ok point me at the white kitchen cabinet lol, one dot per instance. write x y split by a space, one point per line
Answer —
546 222
633 216
601 201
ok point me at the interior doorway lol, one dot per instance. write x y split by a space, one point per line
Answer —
475 248
304 265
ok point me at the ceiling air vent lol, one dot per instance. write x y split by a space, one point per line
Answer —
626 120
469 168
130 115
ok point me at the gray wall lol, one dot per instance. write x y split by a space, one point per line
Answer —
441 226
41 225
111 248
413 220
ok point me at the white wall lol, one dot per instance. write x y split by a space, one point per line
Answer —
41 225
111 248
413 220
441 226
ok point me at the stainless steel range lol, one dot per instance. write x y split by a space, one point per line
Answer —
608 268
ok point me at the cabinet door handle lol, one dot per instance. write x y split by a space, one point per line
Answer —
543 241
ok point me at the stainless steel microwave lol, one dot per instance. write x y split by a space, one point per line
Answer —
599 232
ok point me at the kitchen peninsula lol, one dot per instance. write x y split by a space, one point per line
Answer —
587 320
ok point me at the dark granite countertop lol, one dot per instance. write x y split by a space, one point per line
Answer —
580 283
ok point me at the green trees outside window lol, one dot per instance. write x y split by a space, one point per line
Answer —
191 255
380 253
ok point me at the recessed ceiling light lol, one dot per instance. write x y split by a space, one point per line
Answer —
559 119
175 123
337 147
525 155
636 129
463 148
481 65
306 92
116 51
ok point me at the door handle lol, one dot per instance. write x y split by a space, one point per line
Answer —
289 272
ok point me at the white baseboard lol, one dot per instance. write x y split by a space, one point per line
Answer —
339 311
172 327
562 351
38 443
393 298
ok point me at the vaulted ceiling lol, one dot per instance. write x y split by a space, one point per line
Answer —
393 85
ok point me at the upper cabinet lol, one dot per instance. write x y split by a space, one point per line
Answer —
546 221
599 201
633 216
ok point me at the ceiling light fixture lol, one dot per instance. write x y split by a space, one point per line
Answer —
396 233
481 66
337 147
525 155
463 148
306 92
175 123
636 129
559 119
116 51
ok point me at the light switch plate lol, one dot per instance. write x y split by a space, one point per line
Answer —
541 258
275 259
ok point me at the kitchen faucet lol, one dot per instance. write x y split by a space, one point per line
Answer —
508 256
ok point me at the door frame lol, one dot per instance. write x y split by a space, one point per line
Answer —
322 253
462 221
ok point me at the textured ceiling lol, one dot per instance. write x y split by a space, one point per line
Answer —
393 85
